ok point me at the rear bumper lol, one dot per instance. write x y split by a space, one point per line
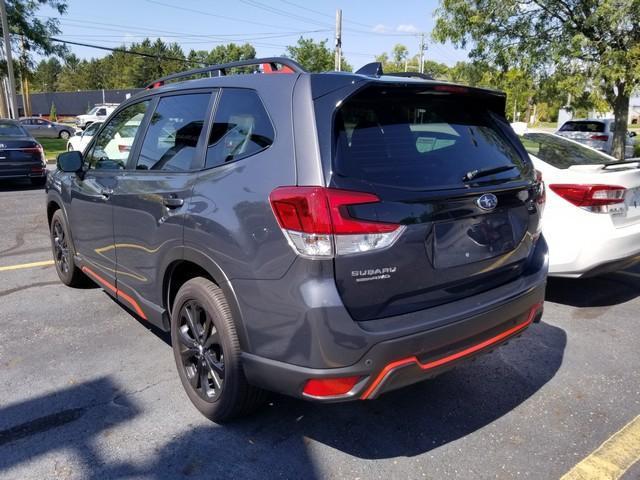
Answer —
604 249
401 361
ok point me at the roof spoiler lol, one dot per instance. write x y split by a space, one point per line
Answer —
269 65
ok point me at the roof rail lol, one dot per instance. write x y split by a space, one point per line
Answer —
269 65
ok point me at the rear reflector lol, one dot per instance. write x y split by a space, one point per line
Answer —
599 138
329 387
317 223
589 195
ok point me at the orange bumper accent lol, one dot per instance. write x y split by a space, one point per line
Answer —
386 371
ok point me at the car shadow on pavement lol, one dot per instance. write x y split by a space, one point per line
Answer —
279 440
68 419
18 185
601 291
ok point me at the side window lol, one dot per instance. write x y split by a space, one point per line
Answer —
101 112
173 133
112 147
241 128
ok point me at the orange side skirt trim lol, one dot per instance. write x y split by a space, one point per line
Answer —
117 292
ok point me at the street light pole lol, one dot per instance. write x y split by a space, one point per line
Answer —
7 48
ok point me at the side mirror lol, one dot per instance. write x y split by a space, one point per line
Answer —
632 134
70 161
78 133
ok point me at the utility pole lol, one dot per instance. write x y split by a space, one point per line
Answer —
26 99
338 61
7 50
422 49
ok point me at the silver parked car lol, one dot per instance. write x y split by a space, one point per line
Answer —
39 127
597 133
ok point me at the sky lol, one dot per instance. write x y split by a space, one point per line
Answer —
369 27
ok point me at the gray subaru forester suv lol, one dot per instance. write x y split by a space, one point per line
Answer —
328 236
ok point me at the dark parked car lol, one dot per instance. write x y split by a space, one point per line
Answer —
328 236
20 155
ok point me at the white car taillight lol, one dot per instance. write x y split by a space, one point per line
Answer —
317 224
593 198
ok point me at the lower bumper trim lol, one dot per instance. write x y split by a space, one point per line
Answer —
392 367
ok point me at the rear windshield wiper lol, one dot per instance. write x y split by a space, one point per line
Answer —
485 172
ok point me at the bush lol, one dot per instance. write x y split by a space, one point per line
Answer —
53 113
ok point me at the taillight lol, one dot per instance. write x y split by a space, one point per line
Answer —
124 148
594 198
317 223
599 138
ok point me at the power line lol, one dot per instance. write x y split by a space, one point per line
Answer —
208 14
307 9
128 52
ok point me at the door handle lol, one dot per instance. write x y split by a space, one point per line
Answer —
172 202
106 192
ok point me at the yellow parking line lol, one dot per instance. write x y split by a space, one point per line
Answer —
611 459
44 263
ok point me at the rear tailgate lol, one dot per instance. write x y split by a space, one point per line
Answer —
412 147
19 157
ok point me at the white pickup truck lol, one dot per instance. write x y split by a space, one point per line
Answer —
98 113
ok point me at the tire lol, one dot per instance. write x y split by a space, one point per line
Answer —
69 148
209 362
39 181
63 253
64 135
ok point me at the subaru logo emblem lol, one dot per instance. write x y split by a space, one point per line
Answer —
488 201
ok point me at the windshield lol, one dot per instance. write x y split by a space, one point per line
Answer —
561 153
12 130
421 140
93 111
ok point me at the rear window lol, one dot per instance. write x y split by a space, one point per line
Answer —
589 127
420 140
12 130
561 153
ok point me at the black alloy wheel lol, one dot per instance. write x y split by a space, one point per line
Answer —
207 352
201 351
63 253
60 247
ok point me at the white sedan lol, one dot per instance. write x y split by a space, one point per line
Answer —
591 219
82 138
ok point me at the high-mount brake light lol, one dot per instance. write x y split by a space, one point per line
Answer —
317 223
451 89
594 198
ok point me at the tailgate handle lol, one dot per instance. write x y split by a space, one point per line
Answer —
172 202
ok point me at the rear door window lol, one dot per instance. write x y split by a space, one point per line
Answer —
173 134
588 127
241 128
421 140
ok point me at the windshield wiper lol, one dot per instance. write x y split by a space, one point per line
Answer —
485 172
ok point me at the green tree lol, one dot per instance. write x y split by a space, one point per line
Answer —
53 113
598 40
315 56
46 75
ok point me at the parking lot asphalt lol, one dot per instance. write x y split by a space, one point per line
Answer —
88 391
